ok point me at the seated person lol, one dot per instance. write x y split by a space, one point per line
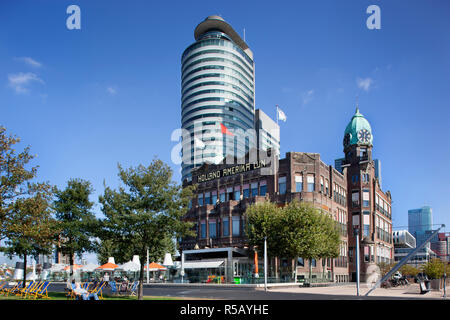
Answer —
83 293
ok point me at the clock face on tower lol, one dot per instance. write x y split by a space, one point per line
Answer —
364 136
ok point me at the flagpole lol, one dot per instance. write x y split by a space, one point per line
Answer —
277 113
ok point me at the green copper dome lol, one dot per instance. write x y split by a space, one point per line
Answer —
358 131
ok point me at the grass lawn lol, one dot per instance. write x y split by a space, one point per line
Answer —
62 296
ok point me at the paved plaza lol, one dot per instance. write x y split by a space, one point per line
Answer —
411 291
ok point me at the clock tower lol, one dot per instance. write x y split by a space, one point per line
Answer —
365 216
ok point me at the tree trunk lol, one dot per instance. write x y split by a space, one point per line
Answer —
295 272
141 281
324 263
24 271
71 266
310 270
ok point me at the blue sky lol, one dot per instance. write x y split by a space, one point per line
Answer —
85 100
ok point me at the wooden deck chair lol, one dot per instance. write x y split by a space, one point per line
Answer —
29 287
114 290
99 290
8 291
34 289
32 286
3 285
70 293
133 289
19 290
42 291
86 286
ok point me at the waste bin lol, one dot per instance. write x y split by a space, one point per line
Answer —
424 286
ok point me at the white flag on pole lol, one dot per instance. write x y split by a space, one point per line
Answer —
281 115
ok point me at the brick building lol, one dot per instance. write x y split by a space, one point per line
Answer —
369 208
352 197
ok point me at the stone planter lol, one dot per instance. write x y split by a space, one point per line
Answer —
436 284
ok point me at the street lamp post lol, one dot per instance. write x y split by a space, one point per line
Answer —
356 230
265 264
148 267
445 280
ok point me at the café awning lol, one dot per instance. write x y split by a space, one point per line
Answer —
202 264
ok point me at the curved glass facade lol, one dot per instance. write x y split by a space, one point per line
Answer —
217 88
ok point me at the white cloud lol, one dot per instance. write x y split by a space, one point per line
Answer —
364 83
29 61
112 91
307 96
20 81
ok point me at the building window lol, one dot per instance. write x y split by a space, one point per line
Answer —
310 181
355 198
236 226
321 185
208 198
203 230
254 189
214 197
366 222
313 263
366 198
366 254
230 193
326 187
200 199
355 219
298 183
237 192
300 262
262 188
246 191
212 228
222 195
226 227
282 185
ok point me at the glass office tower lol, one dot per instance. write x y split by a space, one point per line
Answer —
217 95
420 223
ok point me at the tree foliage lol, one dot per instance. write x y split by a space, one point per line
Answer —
30 228
144 213
296 230
409 270
435 268
76 220
15 178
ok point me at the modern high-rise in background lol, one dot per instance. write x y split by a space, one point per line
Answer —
268 133
441 246
217 95
420 223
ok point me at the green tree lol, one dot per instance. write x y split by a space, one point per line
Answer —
15 178
435 268
144 213
409 270
106 248
385 268
296 230
30 229
78 223
262 219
